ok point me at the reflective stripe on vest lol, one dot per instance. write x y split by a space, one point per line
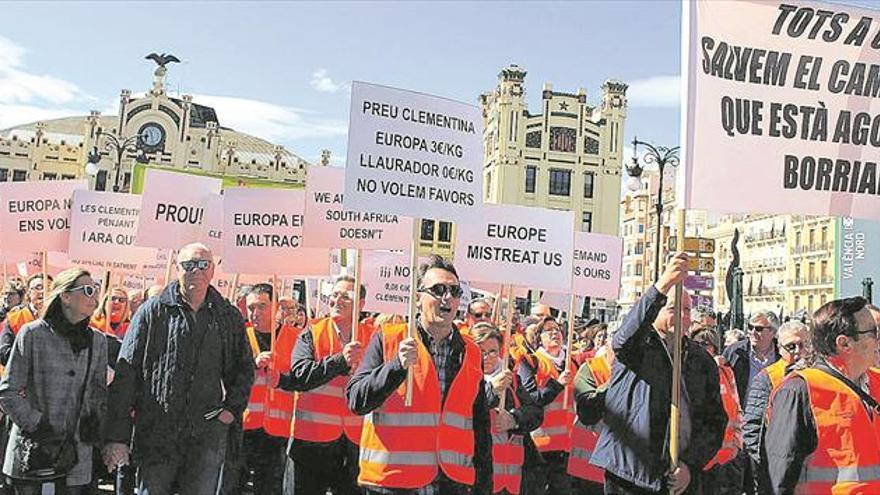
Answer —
583 438
554 432
254 415
732 442
403 447
279 403
847 456
507 455
322 414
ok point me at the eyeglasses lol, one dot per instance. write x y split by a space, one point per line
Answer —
191 265
490 352
440 290
872 332
88 290
758 328
793 347
36 287
486 314
118 299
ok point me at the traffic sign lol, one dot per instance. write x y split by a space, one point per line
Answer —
699 282
694 244
701 265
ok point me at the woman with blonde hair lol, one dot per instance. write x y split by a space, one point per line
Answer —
55 391
114 304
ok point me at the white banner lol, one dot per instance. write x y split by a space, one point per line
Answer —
413 154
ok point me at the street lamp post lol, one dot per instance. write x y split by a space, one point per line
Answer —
120 146
868 289
662 156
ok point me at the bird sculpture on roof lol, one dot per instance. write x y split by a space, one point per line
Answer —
163 59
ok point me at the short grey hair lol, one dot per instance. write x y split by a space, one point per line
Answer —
194 246
793 326
772 319
700 312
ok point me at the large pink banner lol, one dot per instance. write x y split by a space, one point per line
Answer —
102 232
263 233
173 208
782 108
328 225
35 216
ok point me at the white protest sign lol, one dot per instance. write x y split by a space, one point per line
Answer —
156 269
173 208
328 225
262 234
386 277
781 110
413 154
519 245
35 216
102 232
597 265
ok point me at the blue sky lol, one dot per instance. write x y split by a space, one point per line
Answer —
280 70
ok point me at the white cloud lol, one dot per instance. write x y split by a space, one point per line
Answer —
270 121
655 91
19 86
12 115
321 82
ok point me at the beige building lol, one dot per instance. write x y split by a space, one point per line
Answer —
810 262
567 157
160 130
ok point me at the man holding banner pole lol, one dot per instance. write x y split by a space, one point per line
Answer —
325 433
633 448
441 443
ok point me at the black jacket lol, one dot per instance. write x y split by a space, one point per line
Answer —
737 355
173 368
634 444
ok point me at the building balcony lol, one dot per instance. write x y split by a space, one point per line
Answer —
807 281
815 248
765 237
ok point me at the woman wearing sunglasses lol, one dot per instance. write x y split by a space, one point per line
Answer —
55 391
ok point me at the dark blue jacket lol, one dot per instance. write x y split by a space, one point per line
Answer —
174 368
634 444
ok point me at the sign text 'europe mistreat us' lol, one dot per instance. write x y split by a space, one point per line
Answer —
413 154
781 109
519 245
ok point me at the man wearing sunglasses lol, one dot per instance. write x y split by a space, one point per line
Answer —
794 348
479 310
440 444
22 315
323 450
183 377
823 435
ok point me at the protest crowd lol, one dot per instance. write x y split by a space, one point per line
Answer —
179 390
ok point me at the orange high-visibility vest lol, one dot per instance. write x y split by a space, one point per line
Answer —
279 404
508 455
554 434
19 317
583 438
519 350
101 324
732 432
403 447
255 413
322 414
847 457
776 372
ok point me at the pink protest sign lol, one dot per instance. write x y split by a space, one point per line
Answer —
781 108
263 234
102 232
173 208
35 216
328 225
596 265
212 227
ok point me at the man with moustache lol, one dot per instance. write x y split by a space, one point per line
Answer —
183 376
441 443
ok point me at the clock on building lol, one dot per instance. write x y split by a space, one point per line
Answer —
152 137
